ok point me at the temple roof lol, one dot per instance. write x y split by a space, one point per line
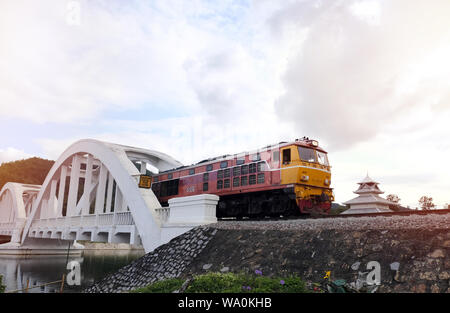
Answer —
367 180
369 199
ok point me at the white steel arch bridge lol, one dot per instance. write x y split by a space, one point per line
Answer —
92 193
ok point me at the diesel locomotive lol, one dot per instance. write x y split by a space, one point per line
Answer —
285 179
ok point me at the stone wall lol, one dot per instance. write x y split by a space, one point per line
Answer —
167 261
414 255
410 261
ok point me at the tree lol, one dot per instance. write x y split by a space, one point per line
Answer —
29 171
426 203
393 198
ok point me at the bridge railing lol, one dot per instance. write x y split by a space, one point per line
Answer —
6 228
105 219
163 214
7 225
124 218
75 221
89 220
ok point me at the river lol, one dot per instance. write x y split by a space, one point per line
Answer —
38 270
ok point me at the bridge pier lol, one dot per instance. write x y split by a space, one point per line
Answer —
186 213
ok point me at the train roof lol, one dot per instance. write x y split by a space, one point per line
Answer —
305 142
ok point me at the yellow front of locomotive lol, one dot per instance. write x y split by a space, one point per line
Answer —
305 165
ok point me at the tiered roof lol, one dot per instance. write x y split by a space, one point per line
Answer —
368 192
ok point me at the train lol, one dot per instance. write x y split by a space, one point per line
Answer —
284 179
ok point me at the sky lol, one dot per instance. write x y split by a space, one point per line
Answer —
370 80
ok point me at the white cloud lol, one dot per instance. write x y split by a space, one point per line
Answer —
12 154
368 79
352 79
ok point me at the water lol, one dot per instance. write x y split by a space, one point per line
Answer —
94 266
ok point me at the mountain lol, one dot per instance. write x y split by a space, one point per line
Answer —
28 171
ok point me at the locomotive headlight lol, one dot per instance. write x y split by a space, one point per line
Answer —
315 143
327 182
304 178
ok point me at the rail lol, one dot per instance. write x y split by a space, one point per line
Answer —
395 213
305 216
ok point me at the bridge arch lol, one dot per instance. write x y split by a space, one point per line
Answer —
93 177
16 201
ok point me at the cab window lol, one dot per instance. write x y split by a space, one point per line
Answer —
286 156
322 158
307 154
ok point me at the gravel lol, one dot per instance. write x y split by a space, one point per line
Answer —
432 221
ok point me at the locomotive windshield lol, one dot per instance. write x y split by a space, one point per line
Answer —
322 158
307 154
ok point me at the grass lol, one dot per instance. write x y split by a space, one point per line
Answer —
2 287
164 286
230 283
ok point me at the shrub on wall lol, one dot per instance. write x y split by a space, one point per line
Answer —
2 288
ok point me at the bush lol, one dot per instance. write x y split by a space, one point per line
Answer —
231 283
164 286
2 288
237 283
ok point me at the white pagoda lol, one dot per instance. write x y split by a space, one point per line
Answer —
368 200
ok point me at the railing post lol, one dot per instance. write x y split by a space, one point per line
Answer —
115 218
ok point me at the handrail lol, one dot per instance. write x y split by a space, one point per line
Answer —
43 285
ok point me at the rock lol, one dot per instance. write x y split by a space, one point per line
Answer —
356 234
438 253
224 269
447 264
435 289
207 266
421 288
444 276
427 276
446 244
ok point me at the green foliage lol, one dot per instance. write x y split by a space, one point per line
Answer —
2 288
164 286
237 283
29 171
231 283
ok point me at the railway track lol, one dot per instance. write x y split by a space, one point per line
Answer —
396 213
